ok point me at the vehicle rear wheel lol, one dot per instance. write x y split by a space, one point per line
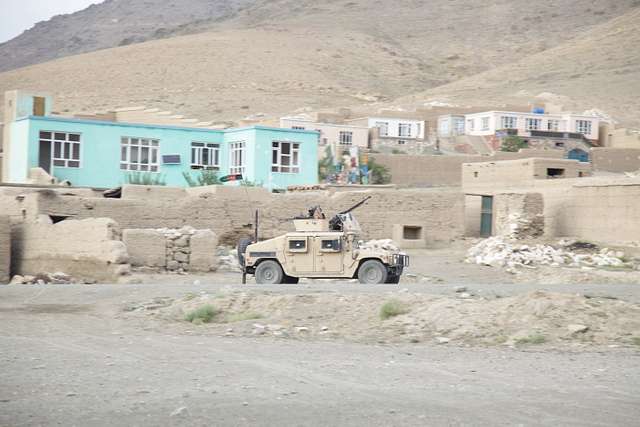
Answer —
372 272
242 248
269 273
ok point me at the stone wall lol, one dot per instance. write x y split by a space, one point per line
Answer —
5 249
229 211
439 171
184 249
518 215
88 249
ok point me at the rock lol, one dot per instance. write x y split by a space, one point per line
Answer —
464 295
577 328
181 257
17 280
29 279
442 340
180 412
460 289
40 282
60 278
181 242
324 328
173 265
302 329
71 394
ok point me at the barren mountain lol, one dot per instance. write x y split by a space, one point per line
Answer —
279 56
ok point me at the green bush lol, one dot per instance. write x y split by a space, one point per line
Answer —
379 174
392 308
204 314
203 177
326 168
145 178
513 144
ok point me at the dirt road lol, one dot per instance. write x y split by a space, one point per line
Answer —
67 357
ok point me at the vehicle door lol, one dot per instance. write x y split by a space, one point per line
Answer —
299 254
329 251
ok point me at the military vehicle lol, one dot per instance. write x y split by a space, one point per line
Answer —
320 248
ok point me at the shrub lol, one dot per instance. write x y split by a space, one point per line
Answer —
203 177
513 144
145 178
379 173
326 168
204 314
392 308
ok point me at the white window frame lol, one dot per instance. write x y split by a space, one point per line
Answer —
131 148
285 160
63 148
584 127
484 123
508 122
198 149
553 125
404 130
237 158
383 128
345 137
471 124
531 123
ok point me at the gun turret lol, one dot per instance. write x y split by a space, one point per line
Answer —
356 206
336 222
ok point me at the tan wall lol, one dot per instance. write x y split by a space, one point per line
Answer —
519 215
5 249
87 249
485 174
229 211
616 159
472 211
624 138
438 171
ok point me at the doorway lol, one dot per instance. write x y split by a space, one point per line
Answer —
486 216
44 156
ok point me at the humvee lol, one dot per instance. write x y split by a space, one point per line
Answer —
322 249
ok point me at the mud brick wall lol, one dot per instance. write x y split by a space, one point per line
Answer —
616 159
5 249
518 216
88 249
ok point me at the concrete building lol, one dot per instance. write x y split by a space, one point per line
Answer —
103 153
336 136
392 132
533 124
450 125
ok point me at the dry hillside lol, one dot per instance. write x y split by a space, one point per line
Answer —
282 55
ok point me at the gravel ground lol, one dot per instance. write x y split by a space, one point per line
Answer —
68 356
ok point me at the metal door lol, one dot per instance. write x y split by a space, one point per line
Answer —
44 156
486 216
299 254
579 155
329 251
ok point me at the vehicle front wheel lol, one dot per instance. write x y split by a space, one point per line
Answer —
269 273
372 272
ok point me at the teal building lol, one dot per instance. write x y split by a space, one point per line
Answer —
106 154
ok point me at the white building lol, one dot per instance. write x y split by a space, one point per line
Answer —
489 122
396 128
451 125
334 135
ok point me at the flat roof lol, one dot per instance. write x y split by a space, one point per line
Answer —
152 126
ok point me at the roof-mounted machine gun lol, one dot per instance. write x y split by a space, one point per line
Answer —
338 221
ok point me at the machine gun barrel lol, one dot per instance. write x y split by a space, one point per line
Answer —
356 206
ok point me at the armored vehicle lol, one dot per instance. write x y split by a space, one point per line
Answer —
320 248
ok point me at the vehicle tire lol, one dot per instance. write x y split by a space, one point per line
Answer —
372 272
393 279
269 273
290 280
242 248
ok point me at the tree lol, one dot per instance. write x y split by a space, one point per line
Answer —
379 173
513 143
326 168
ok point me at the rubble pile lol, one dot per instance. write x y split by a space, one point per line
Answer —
386 244
57 278
178 248
498 252
228 259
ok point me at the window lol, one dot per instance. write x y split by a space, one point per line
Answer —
459 125
402 142
418 129
297 127
346 138
404 129
470 123
205 155
65 148
324 141
508 122
236 158
285 157
485 123
139 154
533 124
555 173
330 245
411 232
384 128
553 125
583 127
298 245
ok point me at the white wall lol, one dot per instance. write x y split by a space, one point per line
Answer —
417 127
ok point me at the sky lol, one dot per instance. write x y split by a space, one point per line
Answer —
19 15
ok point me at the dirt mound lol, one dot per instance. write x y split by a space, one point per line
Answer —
534 318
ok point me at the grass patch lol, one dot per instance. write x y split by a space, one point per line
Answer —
392 308
635 341
532 339
204 314
246 315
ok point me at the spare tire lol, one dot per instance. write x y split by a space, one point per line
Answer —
242 248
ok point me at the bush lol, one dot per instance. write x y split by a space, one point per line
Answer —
204 177
145 178
326 168
392 308
204 314
513 144
379 174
